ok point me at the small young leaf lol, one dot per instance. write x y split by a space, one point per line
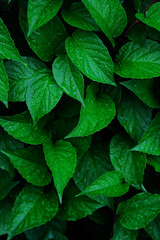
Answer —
110 184
130 164
144 90
78 16
40 12
133 115
32 208
150 141
152 16
69 78
30 163
135 61
21 127
109 15
4 84
139 210
7 47
93 116
90 56
61 159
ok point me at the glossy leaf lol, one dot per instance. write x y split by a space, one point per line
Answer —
121 232
151 17
133 115
40 12
81 144
61 159
135 61
7 46
20 76
21 127
43 94
46 41
32 208
90 56
78 16
75 208
68 78
144 89
6 189
30 163
93 116
110 184
130 164
109 15
139 210
150 141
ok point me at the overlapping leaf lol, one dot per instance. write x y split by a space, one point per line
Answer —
135 61
90 56
93 116
109 15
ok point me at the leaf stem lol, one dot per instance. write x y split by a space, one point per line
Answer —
146 8
137 20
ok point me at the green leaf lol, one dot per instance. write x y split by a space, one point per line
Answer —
123 233
109 15
7 47
6 206
133 115
135 61
4 84
48 40
90 56
61 159
130 164
78 16
31 164
92 165
110 184
150 141
153 228
151 18
75 208
43 94
21 127
144 89
93 116
139 210
20 76
32 208
40 12
154 161
69 78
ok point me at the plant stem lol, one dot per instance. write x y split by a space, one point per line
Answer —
149 6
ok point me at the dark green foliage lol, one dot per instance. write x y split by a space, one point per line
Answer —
79 119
